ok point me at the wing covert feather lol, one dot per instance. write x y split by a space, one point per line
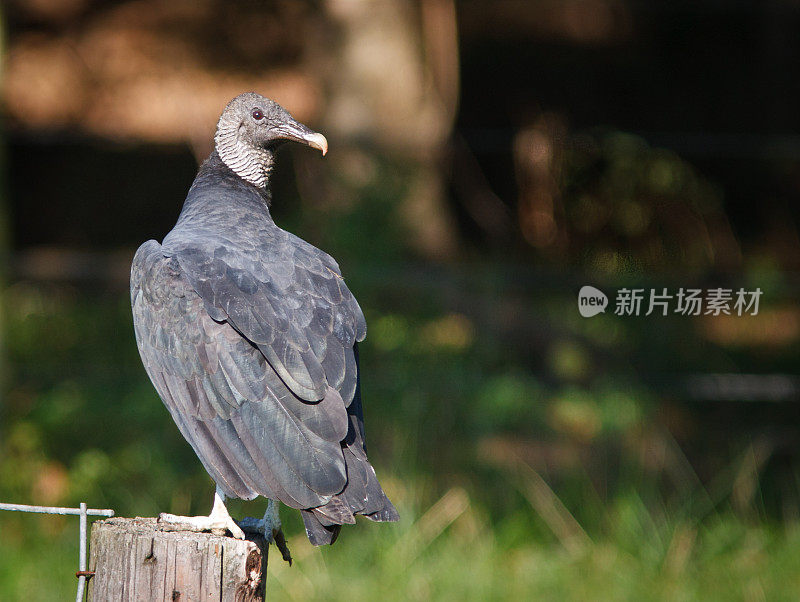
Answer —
285 296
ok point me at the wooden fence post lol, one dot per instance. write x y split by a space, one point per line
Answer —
134 560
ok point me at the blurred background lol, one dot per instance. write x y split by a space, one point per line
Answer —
487 160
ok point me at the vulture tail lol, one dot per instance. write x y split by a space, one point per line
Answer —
362 493
319 534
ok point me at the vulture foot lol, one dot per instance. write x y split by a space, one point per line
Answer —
218 522
270 528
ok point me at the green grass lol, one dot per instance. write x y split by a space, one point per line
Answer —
468 561
451 551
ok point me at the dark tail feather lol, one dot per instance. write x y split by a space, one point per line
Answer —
362 493
318 534
335 512
387 514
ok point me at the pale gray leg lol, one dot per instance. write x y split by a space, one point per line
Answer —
271 521
270 527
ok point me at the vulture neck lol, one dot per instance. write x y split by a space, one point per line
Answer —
219 197
251 163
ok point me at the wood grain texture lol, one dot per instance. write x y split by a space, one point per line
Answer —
134 560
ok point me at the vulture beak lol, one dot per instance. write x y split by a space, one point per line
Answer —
297 132
318 141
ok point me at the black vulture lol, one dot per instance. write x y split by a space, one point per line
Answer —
250 336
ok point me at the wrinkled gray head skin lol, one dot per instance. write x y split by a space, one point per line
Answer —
250 129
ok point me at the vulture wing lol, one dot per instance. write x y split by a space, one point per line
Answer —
253 435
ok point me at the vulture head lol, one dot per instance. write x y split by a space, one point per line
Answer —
250 129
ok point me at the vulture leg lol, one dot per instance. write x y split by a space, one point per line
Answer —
271 521
218 522
270 528
270 525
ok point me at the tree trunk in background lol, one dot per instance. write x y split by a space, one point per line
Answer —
391 75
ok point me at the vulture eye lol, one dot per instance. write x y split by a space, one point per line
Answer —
257 114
